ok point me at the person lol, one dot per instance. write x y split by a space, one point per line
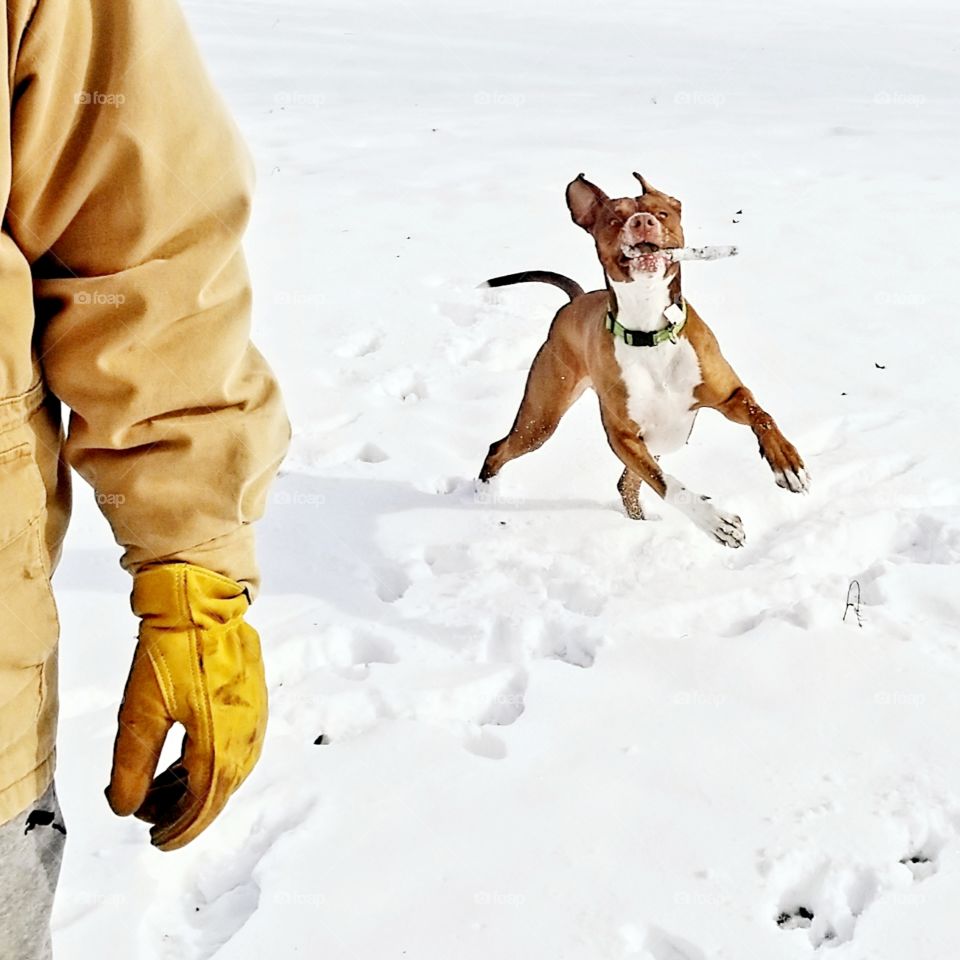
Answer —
124 296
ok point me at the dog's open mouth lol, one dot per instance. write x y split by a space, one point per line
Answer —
633 250
642 256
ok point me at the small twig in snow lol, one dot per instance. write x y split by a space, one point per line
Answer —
853 601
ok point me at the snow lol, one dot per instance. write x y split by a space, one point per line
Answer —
549 731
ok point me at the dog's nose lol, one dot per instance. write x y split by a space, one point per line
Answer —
643 222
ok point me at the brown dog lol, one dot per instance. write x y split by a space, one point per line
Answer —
645 351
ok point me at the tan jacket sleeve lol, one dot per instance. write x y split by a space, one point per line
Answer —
131 190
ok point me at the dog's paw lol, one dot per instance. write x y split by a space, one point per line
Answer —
785 462
725 528
795 479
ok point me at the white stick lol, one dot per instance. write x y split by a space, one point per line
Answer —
677 254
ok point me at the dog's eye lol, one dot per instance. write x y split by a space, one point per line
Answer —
614 222
663 214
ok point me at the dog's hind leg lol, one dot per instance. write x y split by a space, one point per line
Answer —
629 487
555 381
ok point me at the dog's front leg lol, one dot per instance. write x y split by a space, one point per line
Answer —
775 448
725 528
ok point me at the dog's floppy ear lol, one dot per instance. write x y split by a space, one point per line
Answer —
648 188
585 202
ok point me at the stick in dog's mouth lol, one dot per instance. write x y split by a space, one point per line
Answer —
647 255
676 254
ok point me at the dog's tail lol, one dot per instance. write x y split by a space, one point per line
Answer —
570 287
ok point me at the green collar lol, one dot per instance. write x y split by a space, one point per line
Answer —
652 338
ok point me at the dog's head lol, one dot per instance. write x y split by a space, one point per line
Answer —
628 232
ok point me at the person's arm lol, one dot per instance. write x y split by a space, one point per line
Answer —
131 190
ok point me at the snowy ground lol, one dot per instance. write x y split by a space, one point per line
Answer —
554 732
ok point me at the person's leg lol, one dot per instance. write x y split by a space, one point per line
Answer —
31 849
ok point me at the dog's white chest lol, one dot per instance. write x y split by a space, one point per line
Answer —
660 382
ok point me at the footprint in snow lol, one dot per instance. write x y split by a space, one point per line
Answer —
800 614
391 583
405 385
920 865
459 314
485 744
221 892
371 453
535 638
345 649
441 486
576 595
930 539
357 346
827 901
923 857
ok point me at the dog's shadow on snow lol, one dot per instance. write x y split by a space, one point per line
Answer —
320 535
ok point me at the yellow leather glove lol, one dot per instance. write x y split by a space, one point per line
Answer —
198 664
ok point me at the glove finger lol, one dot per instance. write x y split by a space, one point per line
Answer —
198 803
196 818
143 725
165 798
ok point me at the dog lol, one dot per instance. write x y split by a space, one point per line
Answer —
645 351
